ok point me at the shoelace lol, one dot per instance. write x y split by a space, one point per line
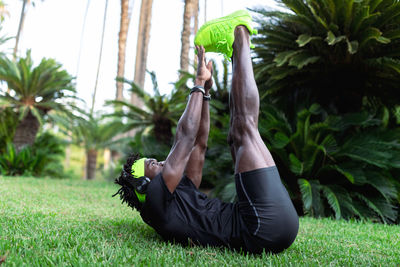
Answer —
223 45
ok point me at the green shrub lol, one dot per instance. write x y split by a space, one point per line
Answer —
340 54
336 165
43 158
8 123
341 166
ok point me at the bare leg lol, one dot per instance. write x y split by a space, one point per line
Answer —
248 149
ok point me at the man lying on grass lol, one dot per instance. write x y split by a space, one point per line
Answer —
166 193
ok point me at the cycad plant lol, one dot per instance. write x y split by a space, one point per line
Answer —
339 53
159 115
335 165
35 90
93 132
8 120
43 158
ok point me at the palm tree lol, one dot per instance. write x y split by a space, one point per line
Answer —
159 115
191 11
92 132
340 54
35 90
123 34
95 134
142 47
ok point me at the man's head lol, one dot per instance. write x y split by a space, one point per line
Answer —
135 176
153 167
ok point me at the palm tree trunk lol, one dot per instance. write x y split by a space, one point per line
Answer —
107 158
20 27
142 47
123 33
142 51
190 7
91 161
26 131
101 52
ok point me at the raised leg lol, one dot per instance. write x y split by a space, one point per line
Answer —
248 149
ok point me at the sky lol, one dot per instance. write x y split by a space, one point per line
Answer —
53 29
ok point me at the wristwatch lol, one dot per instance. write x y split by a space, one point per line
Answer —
199 88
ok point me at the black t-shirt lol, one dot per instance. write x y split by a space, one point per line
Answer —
187 215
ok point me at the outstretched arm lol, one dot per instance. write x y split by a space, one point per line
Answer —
194 167
187 130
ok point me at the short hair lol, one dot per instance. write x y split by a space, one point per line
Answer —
127 191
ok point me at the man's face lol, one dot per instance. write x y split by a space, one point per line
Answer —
152 167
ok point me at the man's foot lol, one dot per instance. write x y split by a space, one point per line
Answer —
218 35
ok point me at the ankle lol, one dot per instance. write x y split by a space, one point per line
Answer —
242 36
241 30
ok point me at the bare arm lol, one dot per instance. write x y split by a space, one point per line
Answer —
194 167
187 130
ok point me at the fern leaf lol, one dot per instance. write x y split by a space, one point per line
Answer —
296 166
332 200
372 206
306 194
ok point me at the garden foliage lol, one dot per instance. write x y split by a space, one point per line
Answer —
328 74
33 92
337 165
43 158
340 54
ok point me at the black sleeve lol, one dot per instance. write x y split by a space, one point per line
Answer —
158 198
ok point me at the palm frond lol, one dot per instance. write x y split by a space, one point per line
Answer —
306 194
332 200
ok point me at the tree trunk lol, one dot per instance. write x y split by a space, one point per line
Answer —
91 161
123 33
20 27
26 131
190 7
107 158
101 52
142 47
142 51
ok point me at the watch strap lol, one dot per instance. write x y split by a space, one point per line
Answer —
198 88
207 97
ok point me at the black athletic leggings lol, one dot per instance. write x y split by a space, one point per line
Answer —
267 211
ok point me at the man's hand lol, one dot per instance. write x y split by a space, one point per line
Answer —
204 72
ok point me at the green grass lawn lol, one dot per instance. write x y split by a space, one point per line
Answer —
71 222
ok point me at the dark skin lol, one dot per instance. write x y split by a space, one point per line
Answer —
187 155
247 147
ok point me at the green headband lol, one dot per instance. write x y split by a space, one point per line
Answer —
137 172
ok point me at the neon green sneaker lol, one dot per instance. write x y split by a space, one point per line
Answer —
218 35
